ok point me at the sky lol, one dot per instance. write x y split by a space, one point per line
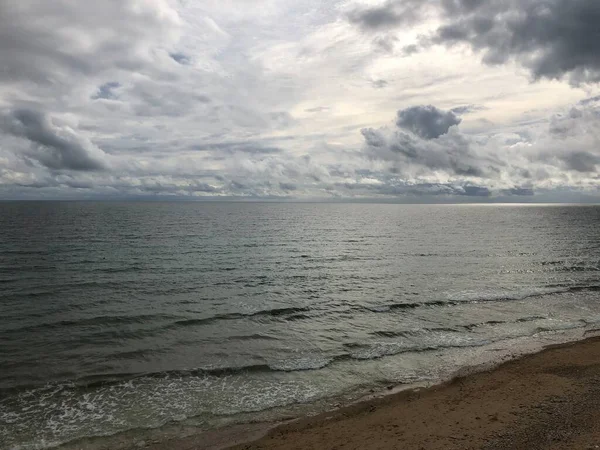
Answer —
396 100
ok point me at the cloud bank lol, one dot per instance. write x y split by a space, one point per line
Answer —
397 100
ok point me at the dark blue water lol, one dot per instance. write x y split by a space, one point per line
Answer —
116 316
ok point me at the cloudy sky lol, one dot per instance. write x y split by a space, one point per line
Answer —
402 100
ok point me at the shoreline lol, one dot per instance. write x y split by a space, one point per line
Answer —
486 417
546 400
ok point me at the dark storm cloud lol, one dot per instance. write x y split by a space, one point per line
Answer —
427 122
551 38
54 147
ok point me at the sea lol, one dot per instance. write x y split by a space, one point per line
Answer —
134 316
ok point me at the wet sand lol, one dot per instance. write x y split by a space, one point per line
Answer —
547 400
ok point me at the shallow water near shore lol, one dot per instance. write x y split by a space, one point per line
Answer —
122 316
231 431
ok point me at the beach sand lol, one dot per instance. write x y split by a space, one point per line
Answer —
548 400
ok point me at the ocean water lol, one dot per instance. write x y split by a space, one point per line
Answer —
124 316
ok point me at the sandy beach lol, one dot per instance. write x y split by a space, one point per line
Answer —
548 400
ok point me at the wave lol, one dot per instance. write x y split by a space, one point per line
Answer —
252 337
91 321
393 306
472 326
413 333
355 351
455 329
107 380
592 288
555 289
372 351
302 363
297 317
292 313
275 312
416 340
530 319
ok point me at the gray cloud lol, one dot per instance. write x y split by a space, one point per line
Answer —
181 58
159 187
572 141
552 38
581 161
374 138
467 109
235 147
73 38
427 122
385 43
410 49
450 152
288 186
590 100
449 189
380 84
403 188
281 119
520 192
391 13
476 191
54 147
318 109
428 140
106 91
